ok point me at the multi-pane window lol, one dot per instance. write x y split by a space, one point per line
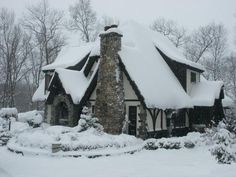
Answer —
193 77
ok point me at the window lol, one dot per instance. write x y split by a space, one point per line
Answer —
93 109
193 77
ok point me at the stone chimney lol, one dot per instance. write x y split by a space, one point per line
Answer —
109 106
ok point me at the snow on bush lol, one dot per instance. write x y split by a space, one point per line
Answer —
223 142
8 112
70 139
4 134
189 141
88 121
223 154
33 118
15 128
230 121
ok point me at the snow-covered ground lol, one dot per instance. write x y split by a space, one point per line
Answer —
164 163
98 154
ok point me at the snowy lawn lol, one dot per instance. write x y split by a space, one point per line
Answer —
164 163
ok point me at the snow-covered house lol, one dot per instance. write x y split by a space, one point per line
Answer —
131 75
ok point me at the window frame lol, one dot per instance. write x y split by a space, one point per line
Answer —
193 77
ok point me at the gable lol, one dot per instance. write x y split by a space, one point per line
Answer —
128 91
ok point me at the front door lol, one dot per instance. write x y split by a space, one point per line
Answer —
132 120
62 114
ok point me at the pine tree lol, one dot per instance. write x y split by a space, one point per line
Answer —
88 121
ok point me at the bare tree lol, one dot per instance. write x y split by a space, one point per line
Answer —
200 42
229 74
14 53
207 46
170 29
217 51
83 19
45 25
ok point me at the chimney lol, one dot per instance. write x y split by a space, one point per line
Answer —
109 106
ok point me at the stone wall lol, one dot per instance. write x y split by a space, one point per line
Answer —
72 110
109 106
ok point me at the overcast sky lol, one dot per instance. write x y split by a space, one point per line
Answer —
188 13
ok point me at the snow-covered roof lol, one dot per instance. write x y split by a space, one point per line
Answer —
149 71
146 67
71 55
74 82
228 102
167 47
39 94
205 92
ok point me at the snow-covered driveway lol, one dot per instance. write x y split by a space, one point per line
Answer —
195 162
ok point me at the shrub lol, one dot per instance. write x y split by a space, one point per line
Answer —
8 112
150 144
223 154
33 118
230 121
88 121
169 144
189 144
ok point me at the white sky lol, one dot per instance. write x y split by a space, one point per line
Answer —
188 13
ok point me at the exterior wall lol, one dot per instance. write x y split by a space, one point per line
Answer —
129 92
51 112
130 100
158 125
48 113
190 84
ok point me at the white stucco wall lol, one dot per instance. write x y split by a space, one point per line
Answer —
129 92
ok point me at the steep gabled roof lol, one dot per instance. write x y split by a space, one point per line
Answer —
166 46
151 75
206 92
71 55
39 94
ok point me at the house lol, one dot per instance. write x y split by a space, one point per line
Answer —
130 73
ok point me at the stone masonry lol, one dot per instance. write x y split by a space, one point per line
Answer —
109 106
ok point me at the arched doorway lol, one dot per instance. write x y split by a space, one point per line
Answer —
62 114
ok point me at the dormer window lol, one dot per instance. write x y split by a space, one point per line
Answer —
193 77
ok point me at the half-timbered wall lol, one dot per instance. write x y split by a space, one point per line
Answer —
160 123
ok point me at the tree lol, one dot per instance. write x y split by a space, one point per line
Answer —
170 29
229 76
14 50
199 42
207 45
83 19
87 121
45 25
217 51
